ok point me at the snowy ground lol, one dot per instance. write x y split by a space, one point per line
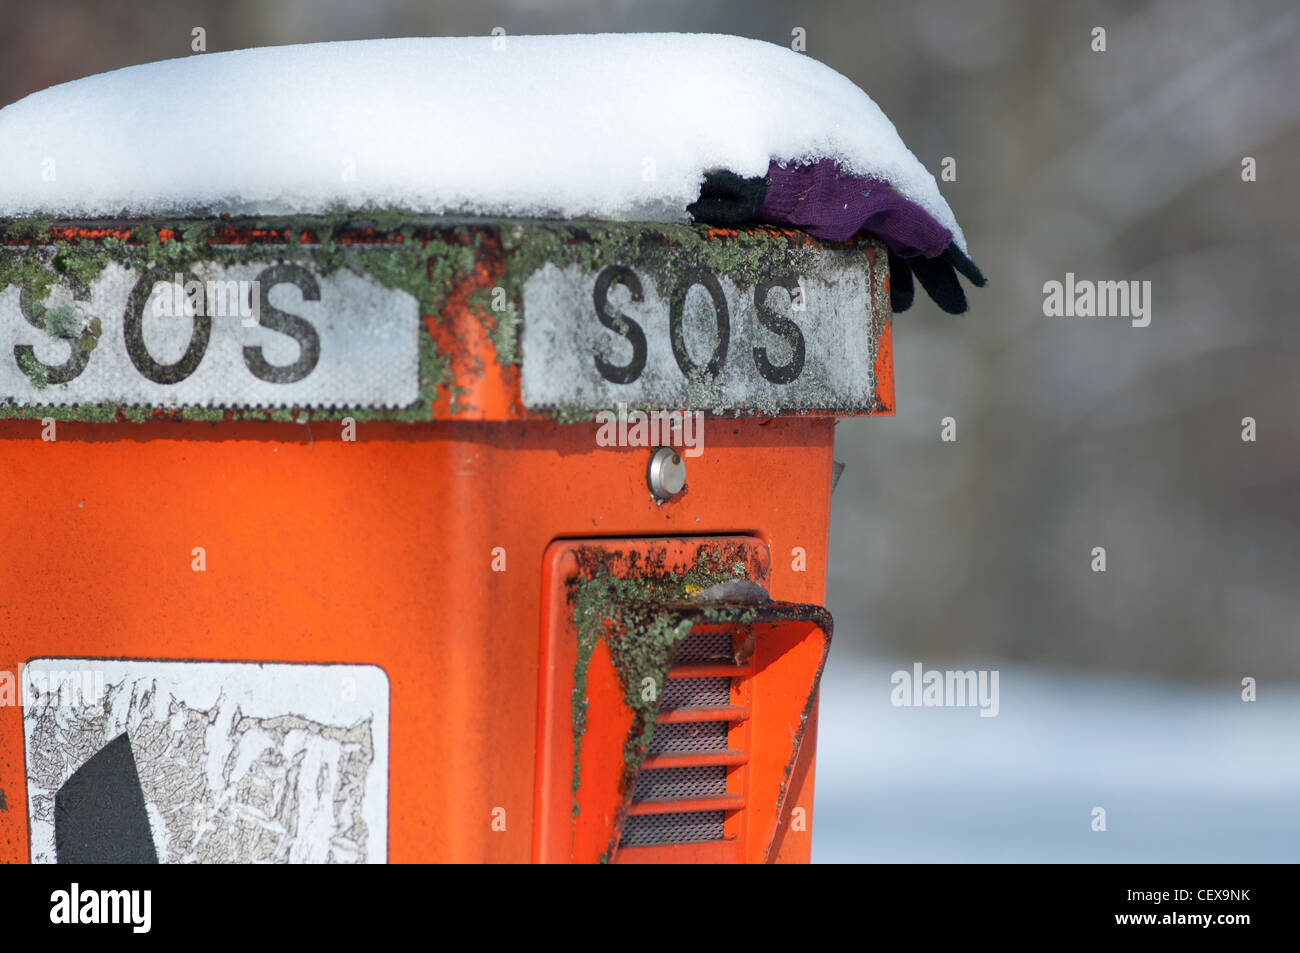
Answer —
1186 774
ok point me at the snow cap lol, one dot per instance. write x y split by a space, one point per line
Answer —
615 126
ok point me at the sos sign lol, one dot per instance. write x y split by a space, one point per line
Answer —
249 334
783 327
201 301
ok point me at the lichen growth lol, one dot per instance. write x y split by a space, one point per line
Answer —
626 599
36 372
63 321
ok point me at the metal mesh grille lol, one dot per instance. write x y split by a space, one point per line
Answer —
695 693
658 784
689 736
704 647
642 830
675 784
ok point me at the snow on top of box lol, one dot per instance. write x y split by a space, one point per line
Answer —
617 126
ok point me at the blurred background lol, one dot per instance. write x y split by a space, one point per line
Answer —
1119 689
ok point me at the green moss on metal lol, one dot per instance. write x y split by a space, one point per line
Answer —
571 415
626 600
427 271
663 251
500 315
63 321
36 372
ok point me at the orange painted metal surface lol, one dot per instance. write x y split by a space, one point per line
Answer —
389 551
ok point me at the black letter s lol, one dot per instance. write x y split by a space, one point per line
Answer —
620 324
300 329
783 327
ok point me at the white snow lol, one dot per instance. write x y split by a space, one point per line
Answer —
619 126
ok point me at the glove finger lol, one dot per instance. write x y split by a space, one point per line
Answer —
940 282
959 260
901 291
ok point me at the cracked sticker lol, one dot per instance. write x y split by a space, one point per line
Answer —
232 762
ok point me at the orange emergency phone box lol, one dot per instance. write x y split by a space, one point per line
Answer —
420 539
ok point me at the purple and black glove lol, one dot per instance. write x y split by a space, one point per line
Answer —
827 203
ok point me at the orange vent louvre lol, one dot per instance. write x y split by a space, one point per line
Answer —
671 730
692 782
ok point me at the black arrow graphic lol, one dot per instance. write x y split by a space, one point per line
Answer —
99 815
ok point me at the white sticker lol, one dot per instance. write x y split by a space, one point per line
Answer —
253 334
803 342
236 762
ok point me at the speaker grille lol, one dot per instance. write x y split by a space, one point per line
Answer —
704 647
695 693
702 743
680 737
677 783
648 830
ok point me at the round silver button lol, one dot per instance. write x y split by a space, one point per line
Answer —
666 474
